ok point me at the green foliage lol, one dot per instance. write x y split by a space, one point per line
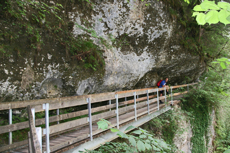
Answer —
198 104
208 95
166 126
214 13
224 62
37 23
140 141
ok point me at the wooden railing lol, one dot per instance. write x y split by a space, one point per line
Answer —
113 104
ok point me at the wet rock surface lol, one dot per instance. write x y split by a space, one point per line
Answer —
147 49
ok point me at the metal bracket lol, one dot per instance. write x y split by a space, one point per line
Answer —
44 106
44 131
87 99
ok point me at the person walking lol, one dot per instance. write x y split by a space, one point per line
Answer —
162 84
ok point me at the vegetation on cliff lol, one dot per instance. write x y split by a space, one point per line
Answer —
33 25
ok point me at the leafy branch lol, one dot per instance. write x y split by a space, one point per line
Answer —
139 140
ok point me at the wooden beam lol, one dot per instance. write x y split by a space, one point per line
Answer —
68 142
14 145
34 138
68 125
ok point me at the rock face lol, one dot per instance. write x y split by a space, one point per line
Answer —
148 48
182 139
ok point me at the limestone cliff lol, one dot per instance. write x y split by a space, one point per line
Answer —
152 51
183 136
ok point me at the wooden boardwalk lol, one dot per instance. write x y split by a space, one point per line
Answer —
72 129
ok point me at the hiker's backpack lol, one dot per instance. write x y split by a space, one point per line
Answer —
159 82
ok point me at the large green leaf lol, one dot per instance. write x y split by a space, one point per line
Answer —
102 125
130 127
121 134
155 148
228 18
140 146
148 146
222 15
223 5
187 1
201 19
198 8
195 14
212 17
162 144
223 59
143 136
114 130
222 64
209 5
132 141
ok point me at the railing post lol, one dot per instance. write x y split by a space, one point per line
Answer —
58 114
33 114
158 100
90 119
117 110
47 130
110 104
39 134
148 100
10 122
165 96
171 96
135 106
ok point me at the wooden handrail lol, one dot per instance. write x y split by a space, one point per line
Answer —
80 99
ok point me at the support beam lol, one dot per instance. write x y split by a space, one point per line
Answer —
90 120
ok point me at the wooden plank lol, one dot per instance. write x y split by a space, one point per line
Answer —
14 145
69 142
29 142
23 104
175 102
102 97
137 100
33 134
152 90
69 102
68 125
184 85
135 90
128 93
